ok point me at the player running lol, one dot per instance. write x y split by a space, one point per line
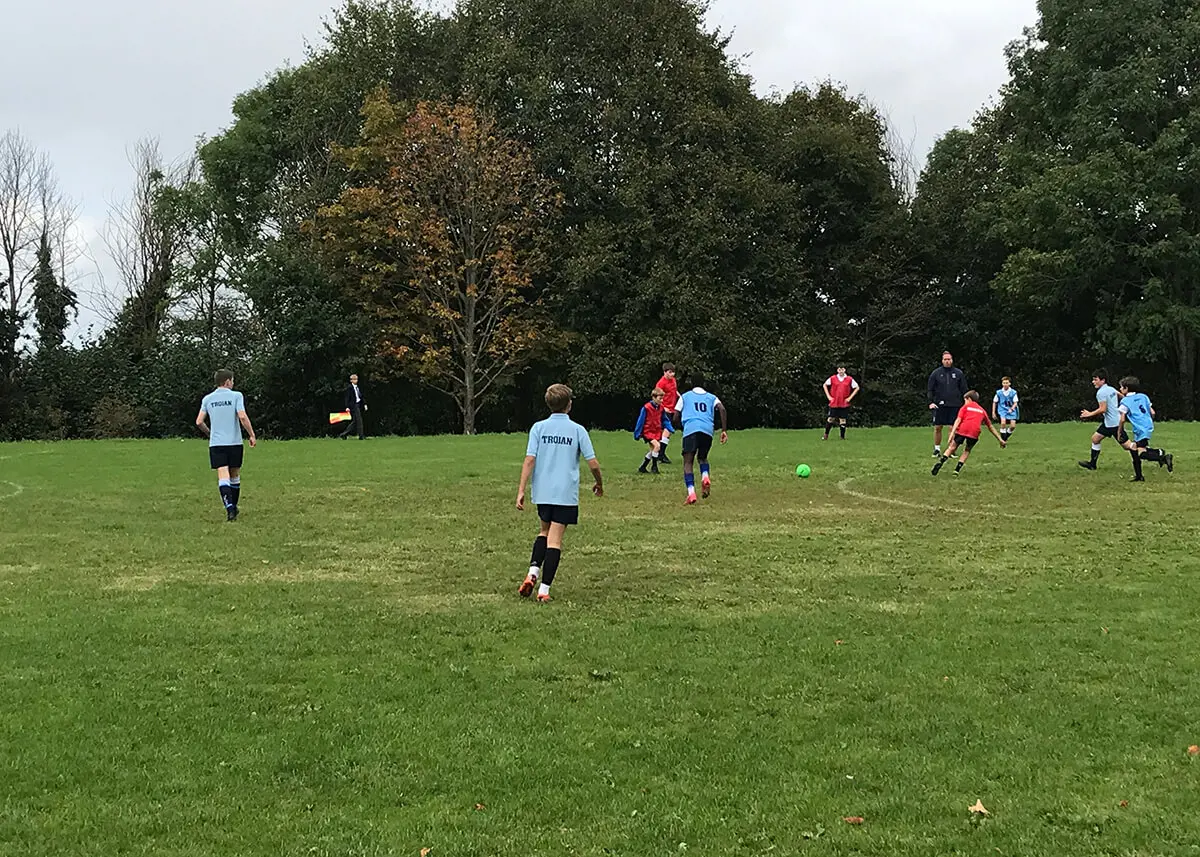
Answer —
965 432
654 427
1006 408
696 411
1106 406
1136 409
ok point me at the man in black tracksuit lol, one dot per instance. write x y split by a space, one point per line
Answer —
947 386
356 403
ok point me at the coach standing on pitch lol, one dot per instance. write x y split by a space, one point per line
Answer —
947 386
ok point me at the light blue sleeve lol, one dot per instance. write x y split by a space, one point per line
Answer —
585 445
239 403
532 447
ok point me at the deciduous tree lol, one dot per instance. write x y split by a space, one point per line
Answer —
442 234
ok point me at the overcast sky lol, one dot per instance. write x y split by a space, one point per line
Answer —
85 80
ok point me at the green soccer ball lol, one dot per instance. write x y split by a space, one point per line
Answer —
802 470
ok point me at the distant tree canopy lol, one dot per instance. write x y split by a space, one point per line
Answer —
525 191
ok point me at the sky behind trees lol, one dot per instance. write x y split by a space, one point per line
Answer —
120 71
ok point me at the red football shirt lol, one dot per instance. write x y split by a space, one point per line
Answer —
971 419
668 386
840 390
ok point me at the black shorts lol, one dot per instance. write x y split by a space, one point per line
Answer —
699 443
1110 431
839 413
1144 443
968 442
945 415
552 514
225 456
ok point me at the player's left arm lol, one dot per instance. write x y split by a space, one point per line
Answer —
724 421
598 487
854 388
202 423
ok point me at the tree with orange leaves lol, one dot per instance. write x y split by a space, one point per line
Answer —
439 237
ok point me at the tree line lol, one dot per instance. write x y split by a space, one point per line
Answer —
465 207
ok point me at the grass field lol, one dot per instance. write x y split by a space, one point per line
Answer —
347 669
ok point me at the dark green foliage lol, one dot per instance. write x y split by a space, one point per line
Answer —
759 240
53 302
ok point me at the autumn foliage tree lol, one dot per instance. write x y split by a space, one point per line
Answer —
441 235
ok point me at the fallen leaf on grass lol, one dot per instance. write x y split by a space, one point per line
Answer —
978 808
853 819
480 807
1124 803
837 642
1194 750
425 852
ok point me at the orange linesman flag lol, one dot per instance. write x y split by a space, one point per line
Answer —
339 417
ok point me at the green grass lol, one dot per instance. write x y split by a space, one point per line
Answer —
348 671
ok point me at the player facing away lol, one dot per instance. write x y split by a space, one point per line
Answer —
1135 409
965 432
556 444
840 390
1107 404
1006 408
222 417
670 390
696 411
654 427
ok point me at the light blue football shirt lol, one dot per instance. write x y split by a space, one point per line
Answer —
1006 402
1109 394
558 443
1136 407
698 411
222 406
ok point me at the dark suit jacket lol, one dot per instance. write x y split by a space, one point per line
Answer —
350 403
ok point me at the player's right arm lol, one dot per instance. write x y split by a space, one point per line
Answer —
244 419
995 404
932 390
828 395
526 472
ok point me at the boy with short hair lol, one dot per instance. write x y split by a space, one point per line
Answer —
1107 403
670 398
556 444
222 417
1006 407
654 427
965 432
1136 409
840 390
697 411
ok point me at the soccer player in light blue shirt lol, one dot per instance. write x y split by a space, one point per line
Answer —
697 410
1136 409
556 446
1006 408
1106 407
222 417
